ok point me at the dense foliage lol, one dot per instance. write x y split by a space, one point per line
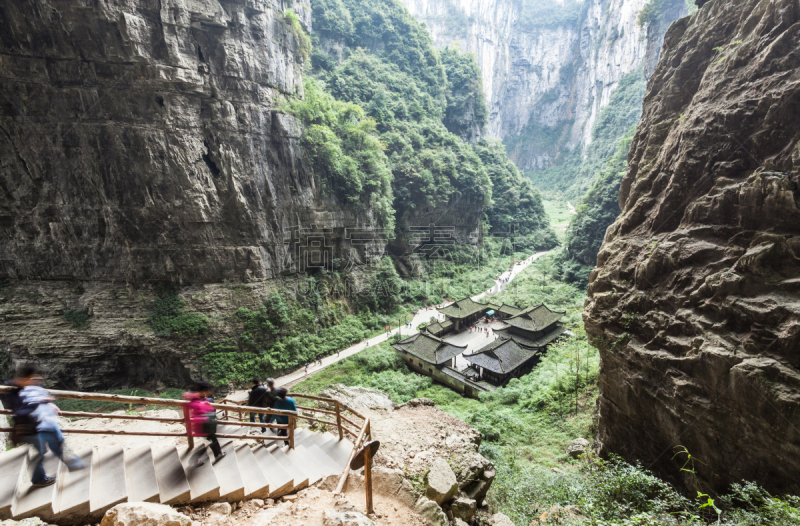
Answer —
423 103
597 210
517 208
345 152
466 114
168 317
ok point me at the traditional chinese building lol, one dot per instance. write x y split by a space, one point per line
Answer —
518 346
434 357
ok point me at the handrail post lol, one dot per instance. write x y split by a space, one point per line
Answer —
187 421
368 480
339 420
291 431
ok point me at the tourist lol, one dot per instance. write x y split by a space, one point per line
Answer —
36 423
284 403
306 367
203 418
258 398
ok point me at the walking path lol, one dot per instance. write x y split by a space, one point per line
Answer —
421 316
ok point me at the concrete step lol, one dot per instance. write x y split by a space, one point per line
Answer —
140 476
231 430
109 485
199 471
229 475
280 480
32 501
173 486
256 484
13 470
302 434
298 474
324 464
74 488
338 450
300 458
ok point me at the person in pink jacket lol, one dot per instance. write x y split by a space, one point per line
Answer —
203 417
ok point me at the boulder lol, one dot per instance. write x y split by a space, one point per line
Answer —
478 489
33 521
219 510
431 511
499 519
577 447
417 402
441 482
392 483
463 508
144 514
459 522
345 518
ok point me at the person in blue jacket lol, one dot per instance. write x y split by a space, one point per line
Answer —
285 403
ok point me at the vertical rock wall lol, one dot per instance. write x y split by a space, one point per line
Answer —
695 301
557 76
141 141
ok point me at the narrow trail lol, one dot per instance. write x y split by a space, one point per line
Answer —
421 316
571 208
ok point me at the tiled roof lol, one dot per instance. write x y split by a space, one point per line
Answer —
434 328
508 310
429 348
535 318
462 308
525 341
501 356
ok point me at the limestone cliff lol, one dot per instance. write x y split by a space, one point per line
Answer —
140 141
695 301
548 67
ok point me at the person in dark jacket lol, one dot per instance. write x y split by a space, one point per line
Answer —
258 398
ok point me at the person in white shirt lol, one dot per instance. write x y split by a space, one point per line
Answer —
47 434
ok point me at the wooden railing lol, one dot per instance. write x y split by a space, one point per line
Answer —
362 432
338 417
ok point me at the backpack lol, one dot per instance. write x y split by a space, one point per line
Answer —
24 423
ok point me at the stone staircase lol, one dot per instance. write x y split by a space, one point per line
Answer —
167 474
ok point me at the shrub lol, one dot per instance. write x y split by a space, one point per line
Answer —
167 317
78 319
302 40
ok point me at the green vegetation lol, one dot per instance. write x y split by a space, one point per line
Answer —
560 216
167 317
78 319
343 148
466 107
386 114
303 41
526 425
574 171
597 211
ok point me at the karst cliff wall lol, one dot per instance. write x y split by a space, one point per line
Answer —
695 300
142 141
547 79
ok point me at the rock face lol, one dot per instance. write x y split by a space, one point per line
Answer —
547 75
695 301
141 141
